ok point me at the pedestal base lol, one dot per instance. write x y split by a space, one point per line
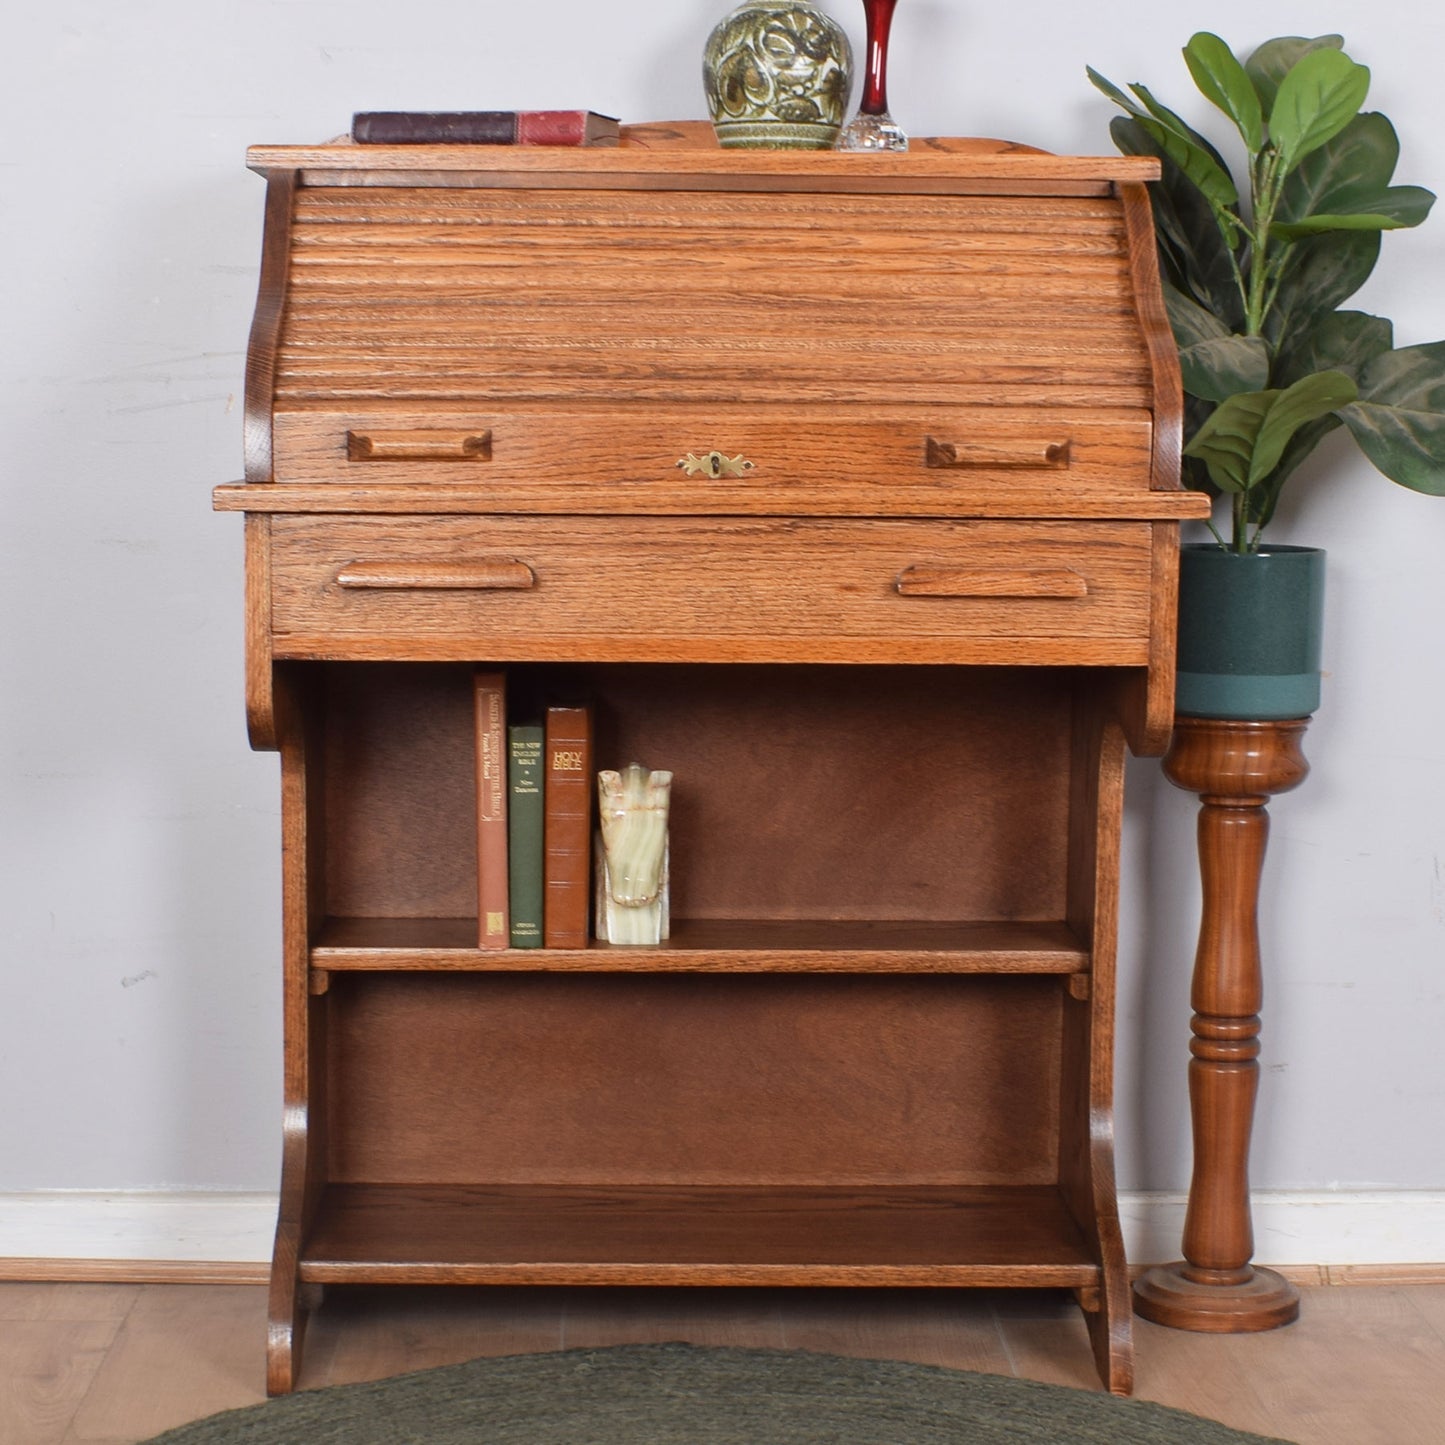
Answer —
1264 1301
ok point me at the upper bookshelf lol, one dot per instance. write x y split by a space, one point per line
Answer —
726 945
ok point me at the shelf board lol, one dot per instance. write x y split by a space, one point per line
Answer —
1094 503
716 946
700 1235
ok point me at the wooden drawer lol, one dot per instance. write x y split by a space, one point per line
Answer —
907 461
665 589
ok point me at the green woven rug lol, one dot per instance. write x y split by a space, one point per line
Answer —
685 1395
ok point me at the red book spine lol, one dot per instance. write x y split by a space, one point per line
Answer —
553 127
567 827
493 924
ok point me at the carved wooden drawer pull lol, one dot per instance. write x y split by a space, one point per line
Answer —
1030 452
928 579
419 446
480 574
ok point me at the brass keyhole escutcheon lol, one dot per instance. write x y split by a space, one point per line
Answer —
715 464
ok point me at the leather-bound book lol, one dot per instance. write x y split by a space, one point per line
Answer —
567 826
485 127
490 690
524 833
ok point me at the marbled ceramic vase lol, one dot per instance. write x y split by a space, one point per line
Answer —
777 75
632 856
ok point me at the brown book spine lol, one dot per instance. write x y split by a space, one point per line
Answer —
435 127
493 925
567 827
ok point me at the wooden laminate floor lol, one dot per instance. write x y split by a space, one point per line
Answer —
118 1363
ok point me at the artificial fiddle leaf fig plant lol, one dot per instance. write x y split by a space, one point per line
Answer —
1253 281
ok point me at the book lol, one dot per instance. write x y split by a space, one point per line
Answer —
490 692
485 127
524 834
567 826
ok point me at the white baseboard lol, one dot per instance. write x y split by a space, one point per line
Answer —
1327 1227
1336 1227
79 1224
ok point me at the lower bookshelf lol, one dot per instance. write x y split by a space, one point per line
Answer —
843 1235
873 1052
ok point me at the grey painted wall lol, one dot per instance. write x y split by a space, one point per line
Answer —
139 922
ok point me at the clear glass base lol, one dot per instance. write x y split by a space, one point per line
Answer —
872 133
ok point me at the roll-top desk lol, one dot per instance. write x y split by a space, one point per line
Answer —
846 486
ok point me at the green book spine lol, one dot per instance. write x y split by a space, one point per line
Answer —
524 833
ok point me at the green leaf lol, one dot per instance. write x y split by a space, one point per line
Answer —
1398 211
1214 361
1192 249
1178 125
1318 97
1226 442
1265 497
1218 369
1222 80
1399 420
1344 341
1359 161
1276 58
1309 399
1319 273
1243 440
1190 322
1345 184
1338 341
1194 156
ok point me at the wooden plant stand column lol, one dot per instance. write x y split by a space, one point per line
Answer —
1234 767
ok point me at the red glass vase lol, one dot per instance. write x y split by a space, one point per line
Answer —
873 128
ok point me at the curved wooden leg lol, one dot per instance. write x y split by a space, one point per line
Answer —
1086 1165
1235 767
285 1319
1110 1319
304 991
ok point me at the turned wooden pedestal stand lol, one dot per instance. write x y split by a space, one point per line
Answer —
1234 767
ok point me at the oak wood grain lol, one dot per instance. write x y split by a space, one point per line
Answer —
726 945
260 685
677 1079
757 1236
873 460
642 588
480 574
682 165
1086 1158
475 292
419 446
266 324
304 1018
893 665
783 749
805 499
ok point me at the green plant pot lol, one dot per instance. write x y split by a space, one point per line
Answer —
1250 625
